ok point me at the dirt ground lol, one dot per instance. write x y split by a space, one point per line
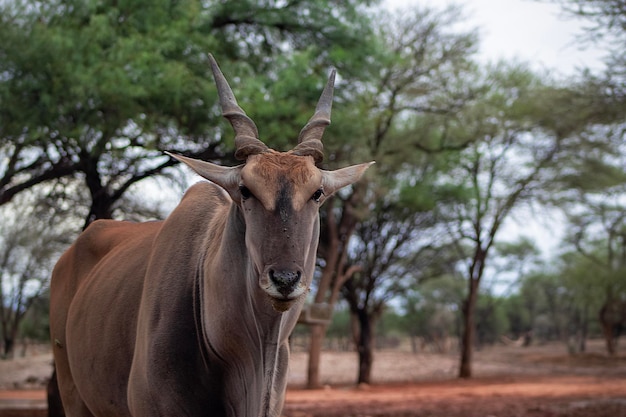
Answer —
509 381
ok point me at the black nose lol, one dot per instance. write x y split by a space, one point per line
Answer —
285 281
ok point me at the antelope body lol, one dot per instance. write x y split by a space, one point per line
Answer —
190 316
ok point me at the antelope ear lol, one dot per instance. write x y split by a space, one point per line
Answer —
225 177
334 180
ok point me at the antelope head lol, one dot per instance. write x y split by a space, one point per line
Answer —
278 194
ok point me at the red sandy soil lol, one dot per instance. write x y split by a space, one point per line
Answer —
510 381
545 396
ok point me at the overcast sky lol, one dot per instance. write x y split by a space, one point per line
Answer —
525 30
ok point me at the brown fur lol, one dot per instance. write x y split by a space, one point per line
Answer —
191 316
272 165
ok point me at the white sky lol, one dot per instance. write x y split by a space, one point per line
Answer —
523 30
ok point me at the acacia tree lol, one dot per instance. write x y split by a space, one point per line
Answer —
595 180
526 127
97 91
599 234
418 71
432 308
398 246
91 91
561 302
585 284
31 239
595 211
591 194
402 242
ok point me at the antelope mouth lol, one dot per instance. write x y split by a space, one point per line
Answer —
282 306
284 287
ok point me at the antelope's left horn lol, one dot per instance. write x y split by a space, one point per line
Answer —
246 133
310 138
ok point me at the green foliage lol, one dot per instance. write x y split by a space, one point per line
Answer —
340 326
433 308
250 30
99 67
563 304
97 90
35 325
517 315
518 250
491 320
418 197
390 324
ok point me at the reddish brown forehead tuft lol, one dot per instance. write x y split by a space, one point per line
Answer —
274 165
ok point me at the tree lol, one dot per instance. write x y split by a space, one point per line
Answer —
98 91
589 188
419 71
391 247
540 296
93 91
595 202
561 302
584 294
431 309
29 246
491 320
513 262
522 123
598 234
519 317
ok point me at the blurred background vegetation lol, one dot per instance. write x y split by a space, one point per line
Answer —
477 164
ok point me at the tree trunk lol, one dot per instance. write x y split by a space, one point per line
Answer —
318 332
10 335
101 207
582 347
9 344
607 328
101 199
467 337
365 346
336 235
609 338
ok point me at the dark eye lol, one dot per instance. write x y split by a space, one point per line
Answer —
245 192
317 195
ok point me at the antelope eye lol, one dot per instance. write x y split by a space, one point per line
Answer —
317 195
245 192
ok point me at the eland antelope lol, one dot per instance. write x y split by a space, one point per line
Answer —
190 316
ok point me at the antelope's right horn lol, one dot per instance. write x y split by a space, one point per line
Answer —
246 133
